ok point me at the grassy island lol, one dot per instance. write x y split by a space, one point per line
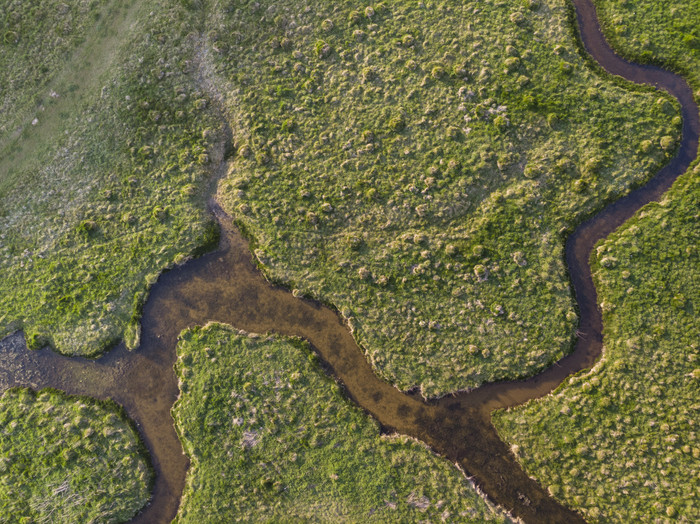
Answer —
272 438
658 33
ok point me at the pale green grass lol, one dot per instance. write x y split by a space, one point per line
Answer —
109 189
45 83
666 33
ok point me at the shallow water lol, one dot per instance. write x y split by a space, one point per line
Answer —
225 286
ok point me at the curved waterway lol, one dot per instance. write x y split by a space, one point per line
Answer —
225 286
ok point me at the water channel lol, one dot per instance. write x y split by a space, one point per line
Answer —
225 286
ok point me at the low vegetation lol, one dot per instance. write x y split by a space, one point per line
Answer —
651 32
620 442
272 438
68 459
418 166
108 188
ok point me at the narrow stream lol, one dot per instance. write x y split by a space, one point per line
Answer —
225 286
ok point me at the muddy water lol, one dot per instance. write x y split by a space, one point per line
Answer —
225 286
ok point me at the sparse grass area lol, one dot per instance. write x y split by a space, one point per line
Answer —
68 459
112 192
272 439
36 38
620 442
418 167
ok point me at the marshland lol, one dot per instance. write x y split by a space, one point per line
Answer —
418 169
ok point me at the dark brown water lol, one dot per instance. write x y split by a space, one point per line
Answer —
225 286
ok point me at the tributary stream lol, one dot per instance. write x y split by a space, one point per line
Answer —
225 286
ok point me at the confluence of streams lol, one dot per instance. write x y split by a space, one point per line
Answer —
225 286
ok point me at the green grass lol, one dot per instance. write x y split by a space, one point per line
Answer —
68 459
419 167
108 190
272 439
620 442
665 33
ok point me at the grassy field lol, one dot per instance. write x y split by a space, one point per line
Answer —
665 33
108 188
620 442
36 39
418 167
68 459
272 439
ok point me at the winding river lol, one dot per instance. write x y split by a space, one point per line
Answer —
225 286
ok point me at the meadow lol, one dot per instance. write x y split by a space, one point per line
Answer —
418 168
619 442
68 459
108 188
37 38
415 168
272 438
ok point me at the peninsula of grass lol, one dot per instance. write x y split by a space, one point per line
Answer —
418 166
68 459
273 439
108 188
620 442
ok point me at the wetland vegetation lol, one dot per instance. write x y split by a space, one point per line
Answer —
107 189
418 168
619 442
68 459
272 438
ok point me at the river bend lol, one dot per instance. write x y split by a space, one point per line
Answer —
225 286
